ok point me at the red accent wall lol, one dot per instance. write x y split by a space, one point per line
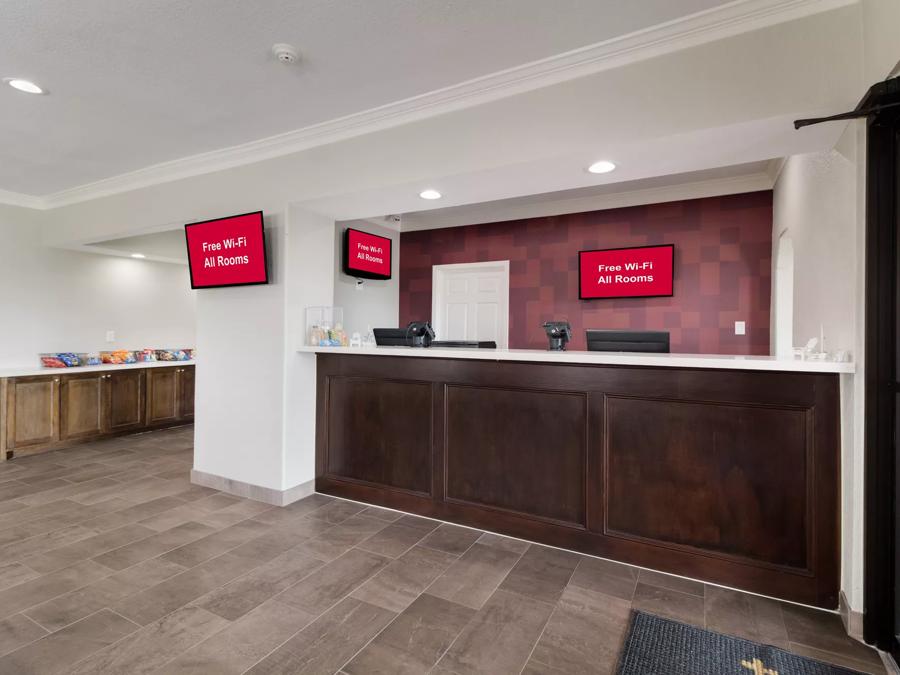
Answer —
723 252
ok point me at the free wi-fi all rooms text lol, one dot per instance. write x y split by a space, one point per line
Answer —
610 274
228 246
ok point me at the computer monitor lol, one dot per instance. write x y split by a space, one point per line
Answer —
416 334
392 337
628 341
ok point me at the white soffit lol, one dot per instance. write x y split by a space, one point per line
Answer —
706 26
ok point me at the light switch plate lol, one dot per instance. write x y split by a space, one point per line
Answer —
110 336
740 328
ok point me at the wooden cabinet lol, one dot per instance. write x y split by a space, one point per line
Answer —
186 393
45 412
162 395
32 406
170 394
125 396
82 406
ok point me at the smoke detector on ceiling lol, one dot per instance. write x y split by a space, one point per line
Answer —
285 53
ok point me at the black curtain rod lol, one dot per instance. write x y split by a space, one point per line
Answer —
852 115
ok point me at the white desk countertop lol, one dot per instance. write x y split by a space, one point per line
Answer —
26 371
723 361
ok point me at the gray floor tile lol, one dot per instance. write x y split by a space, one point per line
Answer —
671 582
670 604
236 648
12 574
87 548
499 638
585 632
17 631
746 616
605 576
451 539
506 543
235 599
153 646
65 609
400 583
328 585
167 596
214 543
393 541
414 641
36 591
339 539
823 631
56 652
152 546
542 573
329 642
475 576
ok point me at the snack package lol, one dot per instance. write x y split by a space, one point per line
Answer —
118 356
93 359
165 355
69 359
52 362
146 355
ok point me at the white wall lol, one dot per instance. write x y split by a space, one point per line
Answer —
375 303
57 300
238 432
817 204
310 282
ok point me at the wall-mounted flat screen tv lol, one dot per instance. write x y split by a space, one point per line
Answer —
227 251
637 272
366 256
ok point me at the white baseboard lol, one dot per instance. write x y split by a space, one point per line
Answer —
853 620
255 492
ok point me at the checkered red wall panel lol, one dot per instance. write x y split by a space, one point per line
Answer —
723 250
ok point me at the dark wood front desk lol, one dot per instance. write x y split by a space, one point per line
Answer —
730 476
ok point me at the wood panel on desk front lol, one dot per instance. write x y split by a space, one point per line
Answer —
727 476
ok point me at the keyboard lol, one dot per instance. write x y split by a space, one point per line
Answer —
469 344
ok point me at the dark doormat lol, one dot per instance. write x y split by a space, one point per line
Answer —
657 646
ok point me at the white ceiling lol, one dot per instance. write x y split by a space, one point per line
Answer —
135 83
168 246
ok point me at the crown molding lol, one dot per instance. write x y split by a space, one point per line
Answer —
717 23
18 199
509 210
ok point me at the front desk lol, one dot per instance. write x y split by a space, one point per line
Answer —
719 468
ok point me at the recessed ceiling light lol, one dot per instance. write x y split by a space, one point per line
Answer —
23 85
430 194
138 255
603 166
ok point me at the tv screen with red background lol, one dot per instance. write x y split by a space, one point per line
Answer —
227 251
367 255
639 272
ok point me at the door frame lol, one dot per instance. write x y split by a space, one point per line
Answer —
881 354
438 286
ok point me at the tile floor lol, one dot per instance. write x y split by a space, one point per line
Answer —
112 562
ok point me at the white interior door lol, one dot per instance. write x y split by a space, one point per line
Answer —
470 301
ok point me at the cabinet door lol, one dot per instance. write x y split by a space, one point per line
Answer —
186 393
81 409
125 396
162 395
32 411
